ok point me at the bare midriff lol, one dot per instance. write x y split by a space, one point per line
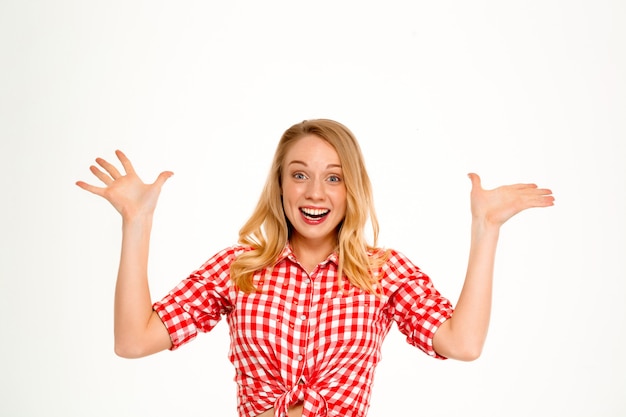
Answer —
294 411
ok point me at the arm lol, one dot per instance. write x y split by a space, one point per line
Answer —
463 335
138 329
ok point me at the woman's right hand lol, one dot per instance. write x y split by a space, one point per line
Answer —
138 329
127 193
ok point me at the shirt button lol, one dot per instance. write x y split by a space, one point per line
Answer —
300 357
303 317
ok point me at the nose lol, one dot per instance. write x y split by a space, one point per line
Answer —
315 189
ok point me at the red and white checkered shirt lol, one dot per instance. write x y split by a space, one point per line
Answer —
304 337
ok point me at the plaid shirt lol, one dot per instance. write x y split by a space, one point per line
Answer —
305 337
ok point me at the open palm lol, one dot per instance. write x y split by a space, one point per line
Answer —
500 204
126 192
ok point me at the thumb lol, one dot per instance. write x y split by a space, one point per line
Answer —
163 176
475 181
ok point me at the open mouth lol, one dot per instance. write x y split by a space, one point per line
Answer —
314 214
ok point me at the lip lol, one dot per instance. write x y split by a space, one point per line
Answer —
311 220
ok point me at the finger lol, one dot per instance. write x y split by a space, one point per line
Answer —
546 196
540 197
548 200
101 175
128 167
163 176
91 188
537 191
113 172
524 186
476 183
543 201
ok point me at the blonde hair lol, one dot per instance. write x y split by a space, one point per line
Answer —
267 231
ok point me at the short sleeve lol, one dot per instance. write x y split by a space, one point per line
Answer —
198 302
415 304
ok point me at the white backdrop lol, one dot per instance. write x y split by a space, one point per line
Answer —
516 91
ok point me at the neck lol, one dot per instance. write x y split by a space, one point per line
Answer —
311 253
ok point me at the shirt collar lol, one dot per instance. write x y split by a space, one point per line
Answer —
287 253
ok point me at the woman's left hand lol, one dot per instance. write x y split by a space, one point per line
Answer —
497 206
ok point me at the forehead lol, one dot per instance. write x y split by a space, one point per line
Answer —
311 149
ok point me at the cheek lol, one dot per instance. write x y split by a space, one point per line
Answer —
341 197
288 213
285 193
288 201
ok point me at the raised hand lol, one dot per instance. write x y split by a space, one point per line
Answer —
126 192
463 335
500 204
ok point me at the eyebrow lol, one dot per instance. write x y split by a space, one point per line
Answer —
305 164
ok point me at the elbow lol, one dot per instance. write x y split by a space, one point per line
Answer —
469 354
469 350
465 351
128 350
466 346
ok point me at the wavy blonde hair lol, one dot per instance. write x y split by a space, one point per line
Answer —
268 230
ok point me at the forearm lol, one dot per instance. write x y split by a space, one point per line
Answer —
133 304
464 334
138 329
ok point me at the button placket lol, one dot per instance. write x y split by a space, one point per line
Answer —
303 303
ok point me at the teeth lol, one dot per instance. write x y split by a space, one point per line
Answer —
314 212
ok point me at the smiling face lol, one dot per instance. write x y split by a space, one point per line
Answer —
314 193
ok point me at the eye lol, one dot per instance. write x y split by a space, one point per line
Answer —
334 178
299 176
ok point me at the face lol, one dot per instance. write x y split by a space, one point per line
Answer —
314 194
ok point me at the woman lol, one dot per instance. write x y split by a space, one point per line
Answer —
307 300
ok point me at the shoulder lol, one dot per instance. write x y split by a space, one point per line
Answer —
397 264
398 260
224 258
401 278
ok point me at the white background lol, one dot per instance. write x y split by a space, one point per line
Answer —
530 91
